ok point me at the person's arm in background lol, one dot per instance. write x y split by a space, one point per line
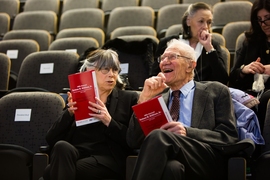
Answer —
218 67
242 73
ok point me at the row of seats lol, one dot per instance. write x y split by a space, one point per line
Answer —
60 6
45 70
223 13
17 48
27 64
40 69
46 35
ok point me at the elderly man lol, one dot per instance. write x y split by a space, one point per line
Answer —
190 147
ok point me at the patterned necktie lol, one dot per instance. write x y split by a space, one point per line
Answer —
175 108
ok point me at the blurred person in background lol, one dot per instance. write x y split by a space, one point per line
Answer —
252 67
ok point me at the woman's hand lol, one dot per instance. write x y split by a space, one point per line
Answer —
175 127
100 112
152 87
254 67
205 38
71 104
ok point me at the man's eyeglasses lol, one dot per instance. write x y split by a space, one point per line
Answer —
170 57
266 22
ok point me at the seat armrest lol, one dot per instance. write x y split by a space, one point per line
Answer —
40 161
237 168
245 147
130 164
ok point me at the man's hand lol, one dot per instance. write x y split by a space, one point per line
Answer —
152 87
175 127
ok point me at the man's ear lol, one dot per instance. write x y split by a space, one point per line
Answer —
191 65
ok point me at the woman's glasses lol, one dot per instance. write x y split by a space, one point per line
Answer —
266 22
107 70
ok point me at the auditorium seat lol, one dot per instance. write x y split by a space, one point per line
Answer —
157 4
78 4
74 44
25 119
129 16
108 5
133 30
17 50
11 7
174 30
231 31
42 5
82 18
96 33
210 2
239 42
5 24
40 20
47 70
169 15
4 73
42 37
230 11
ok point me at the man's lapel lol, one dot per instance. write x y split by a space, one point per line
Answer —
166 95
199 103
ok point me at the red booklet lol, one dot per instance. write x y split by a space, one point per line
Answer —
83 87
152 114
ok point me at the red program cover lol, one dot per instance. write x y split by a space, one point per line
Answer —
83 87
152 114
